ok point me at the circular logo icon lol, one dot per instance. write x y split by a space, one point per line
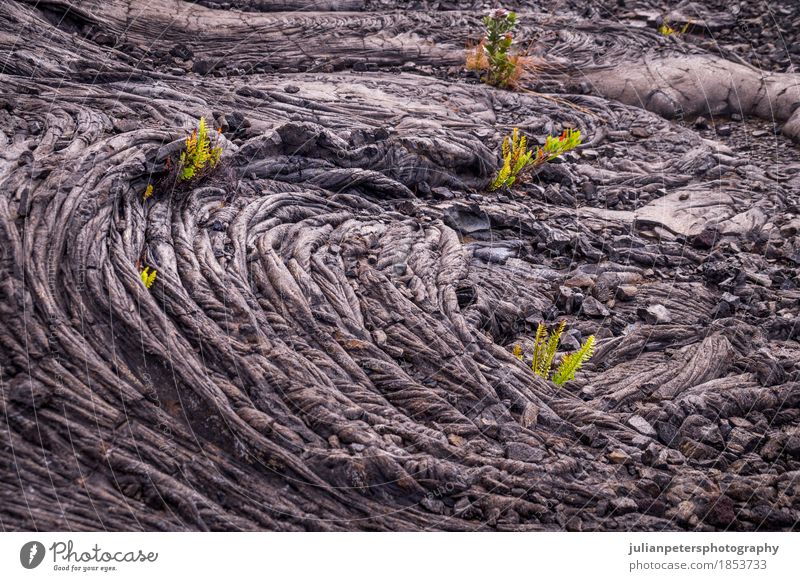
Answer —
31 555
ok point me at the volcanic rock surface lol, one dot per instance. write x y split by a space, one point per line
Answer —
327 344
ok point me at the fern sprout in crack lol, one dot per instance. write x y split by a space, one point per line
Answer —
545 346
148 276
199 157
518 160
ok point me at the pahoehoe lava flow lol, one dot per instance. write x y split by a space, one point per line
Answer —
328 342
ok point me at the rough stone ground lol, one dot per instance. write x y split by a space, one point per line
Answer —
327 345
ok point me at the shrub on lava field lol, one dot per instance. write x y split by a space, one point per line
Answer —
544 351
492 57
519 160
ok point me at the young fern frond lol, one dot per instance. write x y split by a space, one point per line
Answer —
504 176
149 191
539 346
572 362
518 159
667 30
550 351
545 346
198 155
148 276
521 162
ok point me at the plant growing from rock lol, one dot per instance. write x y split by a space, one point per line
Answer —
667 30
199 157
545 346
556 146
148 277
519 160
572 362
492 57
516 158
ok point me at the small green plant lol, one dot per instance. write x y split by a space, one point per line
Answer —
518 160
199 156
492 56
572 362
148 276
148 192
667 30
556 146
545 346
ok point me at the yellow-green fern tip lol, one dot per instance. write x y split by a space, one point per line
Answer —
572 362
148 276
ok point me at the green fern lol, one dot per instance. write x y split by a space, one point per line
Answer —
198 155
667 30
148 276
539 347
518 160
572 362
545 346
550 352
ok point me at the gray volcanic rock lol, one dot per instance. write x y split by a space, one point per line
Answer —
329 341
642 426
594 308
655 314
